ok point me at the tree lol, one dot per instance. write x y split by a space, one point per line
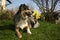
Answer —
47 9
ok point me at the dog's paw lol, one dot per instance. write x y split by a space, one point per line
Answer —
20 36
29 33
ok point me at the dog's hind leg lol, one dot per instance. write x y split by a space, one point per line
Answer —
28 30
17 32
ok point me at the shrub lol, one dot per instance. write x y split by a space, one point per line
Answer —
6 15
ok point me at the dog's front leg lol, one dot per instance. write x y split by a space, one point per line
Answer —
17 32
28 30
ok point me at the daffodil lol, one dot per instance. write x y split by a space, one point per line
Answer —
36 14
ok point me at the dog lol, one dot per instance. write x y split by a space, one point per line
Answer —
21 20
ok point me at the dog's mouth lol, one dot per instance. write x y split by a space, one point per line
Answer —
28 14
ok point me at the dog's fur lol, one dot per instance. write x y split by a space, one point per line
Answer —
21 20
34 23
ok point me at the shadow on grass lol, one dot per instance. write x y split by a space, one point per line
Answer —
7 27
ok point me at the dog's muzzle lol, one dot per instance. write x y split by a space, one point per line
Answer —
28 14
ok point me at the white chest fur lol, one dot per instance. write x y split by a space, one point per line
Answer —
24 24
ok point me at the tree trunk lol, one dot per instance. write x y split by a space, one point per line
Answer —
3 4
49 17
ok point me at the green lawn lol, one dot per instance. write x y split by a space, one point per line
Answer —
46 31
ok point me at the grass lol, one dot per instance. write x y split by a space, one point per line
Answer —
46 31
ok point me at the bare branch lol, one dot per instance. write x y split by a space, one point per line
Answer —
54 5
47 6
39 5
9 1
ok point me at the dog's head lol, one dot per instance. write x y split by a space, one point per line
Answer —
28 13
24 11
23 7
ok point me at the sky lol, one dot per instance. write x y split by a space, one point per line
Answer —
16 3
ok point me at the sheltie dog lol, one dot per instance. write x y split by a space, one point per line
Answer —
21 20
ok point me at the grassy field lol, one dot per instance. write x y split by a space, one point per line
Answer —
46 31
